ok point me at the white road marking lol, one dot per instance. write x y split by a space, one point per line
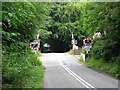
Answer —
79 79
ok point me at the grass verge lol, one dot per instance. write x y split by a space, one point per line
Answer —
100 65
71 52
22 70
81 59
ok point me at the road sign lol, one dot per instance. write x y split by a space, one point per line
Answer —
75 47
75 41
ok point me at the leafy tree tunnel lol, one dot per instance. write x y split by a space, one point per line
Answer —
56 45
61 23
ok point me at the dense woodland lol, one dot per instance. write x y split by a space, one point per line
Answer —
21 21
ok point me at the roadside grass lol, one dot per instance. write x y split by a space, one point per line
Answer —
38 54
71 52
100 65
81 59
36 80
111 68
22 70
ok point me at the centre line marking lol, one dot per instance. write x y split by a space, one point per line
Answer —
78 78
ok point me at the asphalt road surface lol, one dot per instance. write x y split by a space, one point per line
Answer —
64 71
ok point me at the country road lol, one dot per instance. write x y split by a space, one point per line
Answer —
64 71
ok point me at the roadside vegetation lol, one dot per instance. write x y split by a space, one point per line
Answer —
21 22
99 17
71 52
105 53
109 68
21 68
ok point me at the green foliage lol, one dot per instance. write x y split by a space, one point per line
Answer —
65 18
101 65
39 54
56 21
99 17
71 52
84 51
23 19
103 17
20 23
81 59
21 70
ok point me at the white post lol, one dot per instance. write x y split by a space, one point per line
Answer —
73 41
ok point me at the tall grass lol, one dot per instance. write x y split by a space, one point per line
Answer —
22 70
110 68
71 52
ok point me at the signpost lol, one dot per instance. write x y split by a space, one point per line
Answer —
74 42
35 45
87 44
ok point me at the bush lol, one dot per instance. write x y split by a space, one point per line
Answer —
81 59
71 52
105 57
101 65
84 51
22 70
